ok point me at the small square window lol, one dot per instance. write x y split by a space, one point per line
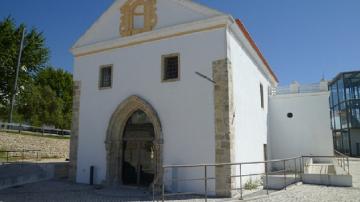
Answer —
105 77
170 69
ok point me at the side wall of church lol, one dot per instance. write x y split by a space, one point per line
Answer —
250 119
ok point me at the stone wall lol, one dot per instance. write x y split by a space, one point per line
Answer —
50 147
75 131
224 129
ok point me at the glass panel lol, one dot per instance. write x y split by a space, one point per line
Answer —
346 142
355 113
334 94
343 118
338 141
341 90
337 118
332 120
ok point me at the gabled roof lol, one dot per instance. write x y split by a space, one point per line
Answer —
186 4
255 47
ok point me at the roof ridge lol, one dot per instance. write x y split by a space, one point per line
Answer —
256 48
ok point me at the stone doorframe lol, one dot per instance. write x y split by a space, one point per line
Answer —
114 138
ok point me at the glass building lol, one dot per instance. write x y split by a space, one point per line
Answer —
345 112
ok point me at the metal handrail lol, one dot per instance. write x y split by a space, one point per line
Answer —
22 157
299 167
229 164
206 178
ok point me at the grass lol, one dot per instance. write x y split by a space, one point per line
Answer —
26 133
251 185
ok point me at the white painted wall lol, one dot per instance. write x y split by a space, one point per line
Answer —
250 119
307 133
185 108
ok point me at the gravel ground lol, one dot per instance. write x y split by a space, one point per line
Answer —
50 147
56 191
313 193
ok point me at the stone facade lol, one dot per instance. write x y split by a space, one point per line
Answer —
224 129
74 141
114 138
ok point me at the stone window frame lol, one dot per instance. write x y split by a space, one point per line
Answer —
128 13
111 66
163 57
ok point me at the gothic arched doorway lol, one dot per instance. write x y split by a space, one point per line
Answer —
138 162
134 131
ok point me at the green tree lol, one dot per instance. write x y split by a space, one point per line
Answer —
48 99
61 83
39 105
34 58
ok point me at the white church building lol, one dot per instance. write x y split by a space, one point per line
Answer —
166 82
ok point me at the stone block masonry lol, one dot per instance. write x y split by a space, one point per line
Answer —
224 129
74 141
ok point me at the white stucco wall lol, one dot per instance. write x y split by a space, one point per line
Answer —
307 133
185 108
250 119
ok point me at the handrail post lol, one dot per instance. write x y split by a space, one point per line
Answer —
302 165
7 156
163 191
348 165
285 174
241 188
206 190
267 178
295 169
153 191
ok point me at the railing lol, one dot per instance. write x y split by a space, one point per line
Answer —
16 156
289 170
16 127
343 160
294 89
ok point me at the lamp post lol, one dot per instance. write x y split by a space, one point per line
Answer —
17 75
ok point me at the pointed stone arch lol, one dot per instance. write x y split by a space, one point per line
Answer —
114 137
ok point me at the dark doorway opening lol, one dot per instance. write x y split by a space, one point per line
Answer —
139 163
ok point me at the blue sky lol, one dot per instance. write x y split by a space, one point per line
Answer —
301 39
